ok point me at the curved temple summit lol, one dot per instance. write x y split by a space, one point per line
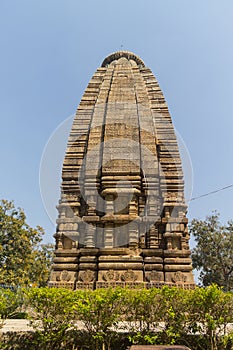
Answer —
122 214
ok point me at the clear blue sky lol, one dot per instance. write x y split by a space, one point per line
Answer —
51 48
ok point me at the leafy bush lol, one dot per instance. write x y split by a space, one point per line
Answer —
53 314
10 302
143 314
107 319
210 311
100 311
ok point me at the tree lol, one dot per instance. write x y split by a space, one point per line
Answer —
40 269
214 251
23 260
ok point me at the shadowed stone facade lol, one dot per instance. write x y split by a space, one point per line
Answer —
122 214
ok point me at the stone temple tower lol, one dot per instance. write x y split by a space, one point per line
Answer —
122 214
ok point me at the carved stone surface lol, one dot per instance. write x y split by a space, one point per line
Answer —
86 276
64 276
122 214
111 275
179 277
154 276
129 276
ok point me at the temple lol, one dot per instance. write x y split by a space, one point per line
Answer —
122 213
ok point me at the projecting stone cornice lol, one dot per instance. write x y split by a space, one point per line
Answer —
127 54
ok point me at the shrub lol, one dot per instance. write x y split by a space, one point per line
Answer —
53 314
100 311
116 318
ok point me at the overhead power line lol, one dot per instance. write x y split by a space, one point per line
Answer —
212 192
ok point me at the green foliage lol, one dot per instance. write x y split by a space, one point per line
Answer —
53 313
23 261
39 271
214 251
10 301
100 310
210 311
106 319
144 311
175 305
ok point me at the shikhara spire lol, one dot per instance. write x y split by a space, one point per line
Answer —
122 214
